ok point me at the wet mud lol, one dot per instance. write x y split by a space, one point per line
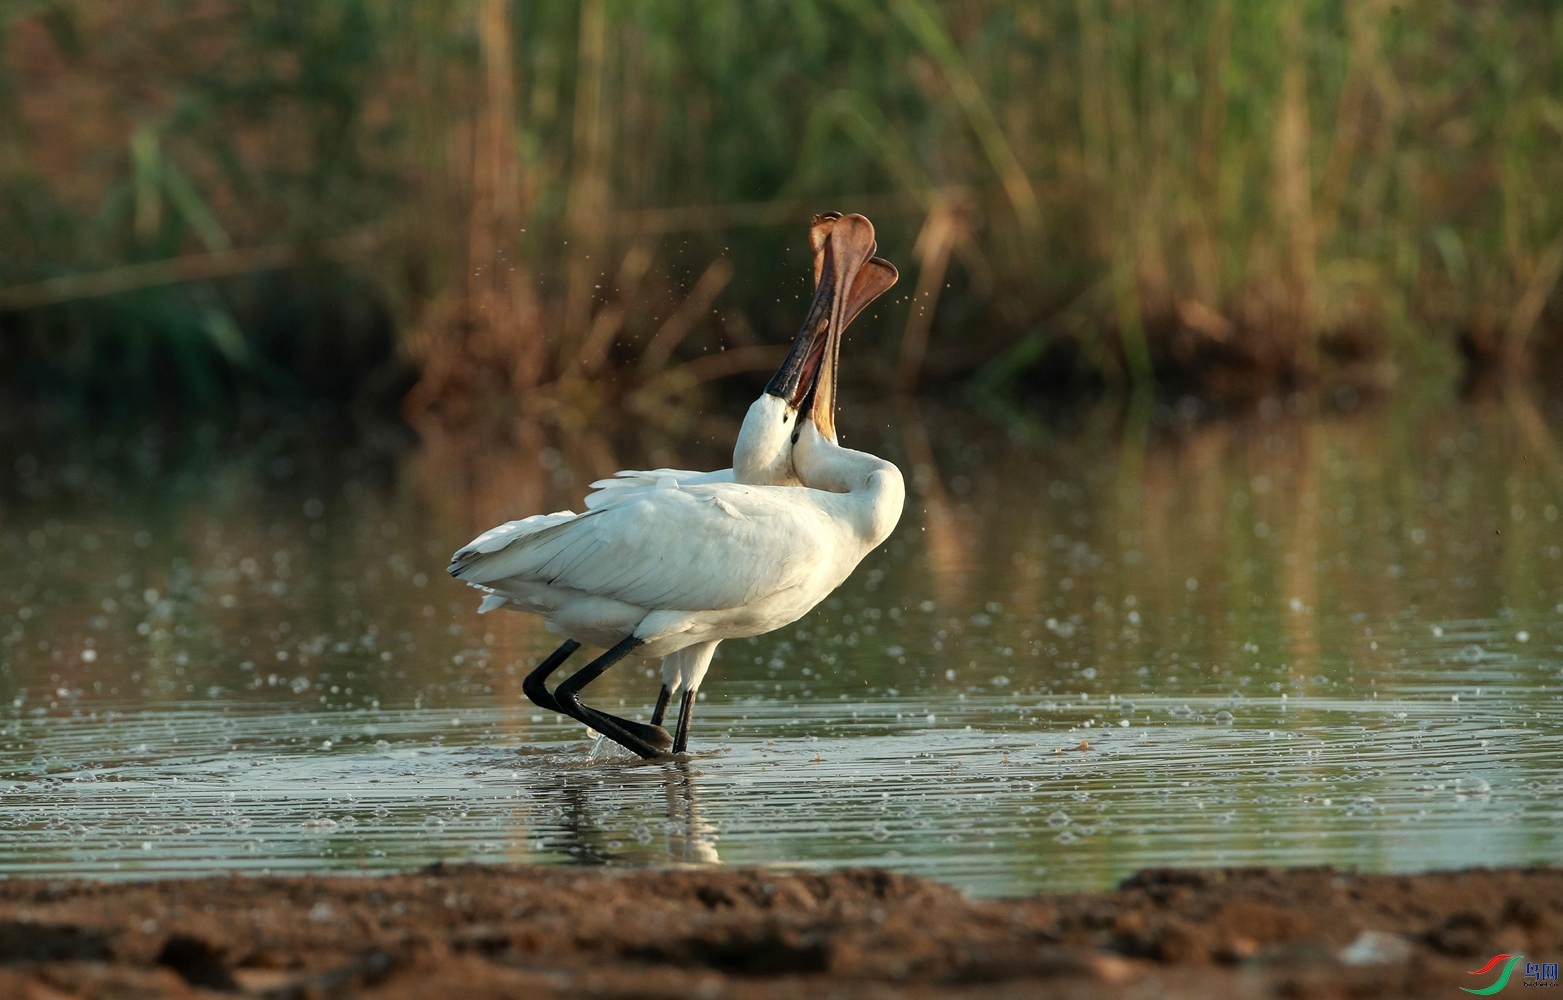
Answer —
477 932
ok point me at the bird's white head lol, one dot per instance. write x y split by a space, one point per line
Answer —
763 455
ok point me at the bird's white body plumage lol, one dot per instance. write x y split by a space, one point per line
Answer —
762 456
683 565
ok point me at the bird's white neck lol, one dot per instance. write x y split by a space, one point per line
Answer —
874 489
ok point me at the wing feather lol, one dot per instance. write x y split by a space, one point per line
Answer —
607 490
701 548
497 538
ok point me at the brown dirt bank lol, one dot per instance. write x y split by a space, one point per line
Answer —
478 932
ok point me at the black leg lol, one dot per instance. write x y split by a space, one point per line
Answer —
662 705
686 708
534 687
569 698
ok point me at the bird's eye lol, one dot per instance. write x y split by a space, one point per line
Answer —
794 437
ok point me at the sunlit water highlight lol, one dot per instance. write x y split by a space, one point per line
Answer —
1329 640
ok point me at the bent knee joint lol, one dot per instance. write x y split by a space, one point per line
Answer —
568 697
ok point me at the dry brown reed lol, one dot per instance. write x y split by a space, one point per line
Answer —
570 201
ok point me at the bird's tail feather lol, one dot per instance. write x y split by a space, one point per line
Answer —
468 561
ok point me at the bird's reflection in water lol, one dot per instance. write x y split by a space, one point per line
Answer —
581 835
598 823
691 837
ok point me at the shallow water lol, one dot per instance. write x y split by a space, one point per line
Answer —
1289 639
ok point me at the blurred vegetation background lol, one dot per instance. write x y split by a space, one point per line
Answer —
471 208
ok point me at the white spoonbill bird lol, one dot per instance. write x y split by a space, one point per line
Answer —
762 455
663 569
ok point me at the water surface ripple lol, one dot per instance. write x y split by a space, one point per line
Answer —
1282 641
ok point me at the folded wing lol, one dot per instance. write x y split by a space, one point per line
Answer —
706 547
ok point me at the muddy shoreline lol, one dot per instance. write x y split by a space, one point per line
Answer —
480 931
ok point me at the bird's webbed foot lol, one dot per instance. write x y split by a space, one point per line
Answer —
653 735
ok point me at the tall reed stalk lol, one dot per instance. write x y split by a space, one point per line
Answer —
1224 195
